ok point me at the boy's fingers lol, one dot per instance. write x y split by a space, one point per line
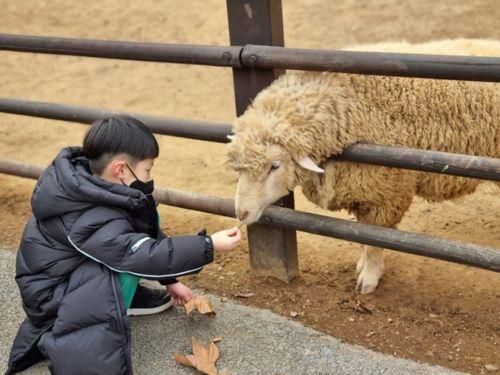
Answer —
237 236
236 232
232 231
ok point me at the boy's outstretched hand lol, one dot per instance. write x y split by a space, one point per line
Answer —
180 293
226 240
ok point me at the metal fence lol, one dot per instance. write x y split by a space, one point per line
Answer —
257 57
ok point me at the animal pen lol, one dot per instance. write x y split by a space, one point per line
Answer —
257 56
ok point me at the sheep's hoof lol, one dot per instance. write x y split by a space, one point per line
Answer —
366 288
368 278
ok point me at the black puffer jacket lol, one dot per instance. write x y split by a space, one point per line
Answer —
83 232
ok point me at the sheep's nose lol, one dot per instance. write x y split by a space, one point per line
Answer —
243 216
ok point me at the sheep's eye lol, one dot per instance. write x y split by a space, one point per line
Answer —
275 165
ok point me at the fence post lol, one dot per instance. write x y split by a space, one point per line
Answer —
273 251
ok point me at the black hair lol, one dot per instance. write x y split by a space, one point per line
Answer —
118 135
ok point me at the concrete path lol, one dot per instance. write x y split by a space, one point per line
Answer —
254 341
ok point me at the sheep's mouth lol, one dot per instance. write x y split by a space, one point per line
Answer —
252 217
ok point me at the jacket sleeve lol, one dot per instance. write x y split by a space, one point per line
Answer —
168 281
109 238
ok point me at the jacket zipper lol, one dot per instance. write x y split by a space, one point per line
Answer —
122 323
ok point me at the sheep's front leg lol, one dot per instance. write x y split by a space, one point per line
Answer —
369 269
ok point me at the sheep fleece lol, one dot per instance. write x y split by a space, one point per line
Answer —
320 114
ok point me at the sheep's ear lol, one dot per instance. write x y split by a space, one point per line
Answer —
307 163
230 137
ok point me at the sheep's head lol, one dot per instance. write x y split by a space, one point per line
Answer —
268 170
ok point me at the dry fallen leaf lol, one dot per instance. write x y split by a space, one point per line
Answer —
217 339
363 308
202 304
356 305
490 367
294 314
203 358
187 360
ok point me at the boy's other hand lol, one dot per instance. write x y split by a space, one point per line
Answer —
226 240
180 293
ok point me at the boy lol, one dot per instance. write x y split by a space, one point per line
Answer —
93 234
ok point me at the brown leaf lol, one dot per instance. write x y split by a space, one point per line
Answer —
186 360
217 339
202 304
490 367
203 357
356 305
363 308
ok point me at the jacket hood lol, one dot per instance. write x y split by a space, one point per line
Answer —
67 185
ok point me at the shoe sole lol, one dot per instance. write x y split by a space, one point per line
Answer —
155 310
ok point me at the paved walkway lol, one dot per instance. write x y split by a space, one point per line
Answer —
254 341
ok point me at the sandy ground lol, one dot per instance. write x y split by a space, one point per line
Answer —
424 309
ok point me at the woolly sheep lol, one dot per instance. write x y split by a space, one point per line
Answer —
286 135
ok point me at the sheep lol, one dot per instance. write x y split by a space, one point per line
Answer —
287 134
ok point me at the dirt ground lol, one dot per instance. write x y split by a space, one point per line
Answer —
424 309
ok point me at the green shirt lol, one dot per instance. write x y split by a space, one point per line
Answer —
129 284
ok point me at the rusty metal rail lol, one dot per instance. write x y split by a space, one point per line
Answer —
389 156
471 68
156 52
407 242
252 64
465 68
201 130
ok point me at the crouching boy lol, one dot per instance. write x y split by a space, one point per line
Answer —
93 235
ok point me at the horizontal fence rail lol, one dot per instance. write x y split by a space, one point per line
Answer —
389 156
470 68
465 68
423 160
156 52
407 242
201 130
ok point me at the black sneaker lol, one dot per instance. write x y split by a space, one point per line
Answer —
148 301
